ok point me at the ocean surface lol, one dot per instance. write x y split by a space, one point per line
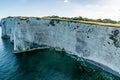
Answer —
44 65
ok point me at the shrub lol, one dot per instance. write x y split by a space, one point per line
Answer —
52 23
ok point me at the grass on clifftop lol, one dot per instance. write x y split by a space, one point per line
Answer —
102 22
86 22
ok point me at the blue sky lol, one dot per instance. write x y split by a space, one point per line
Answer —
69 8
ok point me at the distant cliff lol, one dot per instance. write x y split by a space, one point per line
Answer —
95 42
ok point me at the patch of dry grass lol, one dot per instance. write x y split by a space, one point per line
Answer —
86 22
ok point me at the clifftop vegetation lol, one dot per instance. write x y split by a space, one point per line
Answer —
86 19
104 22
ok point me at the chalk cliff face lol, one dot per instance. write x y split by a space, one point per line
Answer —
98 43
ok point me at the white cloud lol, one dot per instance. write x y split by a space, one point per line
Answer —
66 1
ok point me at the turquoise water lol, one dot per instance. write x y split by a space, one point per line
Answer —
44 65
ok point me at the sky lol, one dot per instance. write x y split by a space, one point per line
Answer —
67 8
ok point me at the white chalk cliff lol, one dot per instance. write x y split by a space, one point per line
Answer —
98 43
